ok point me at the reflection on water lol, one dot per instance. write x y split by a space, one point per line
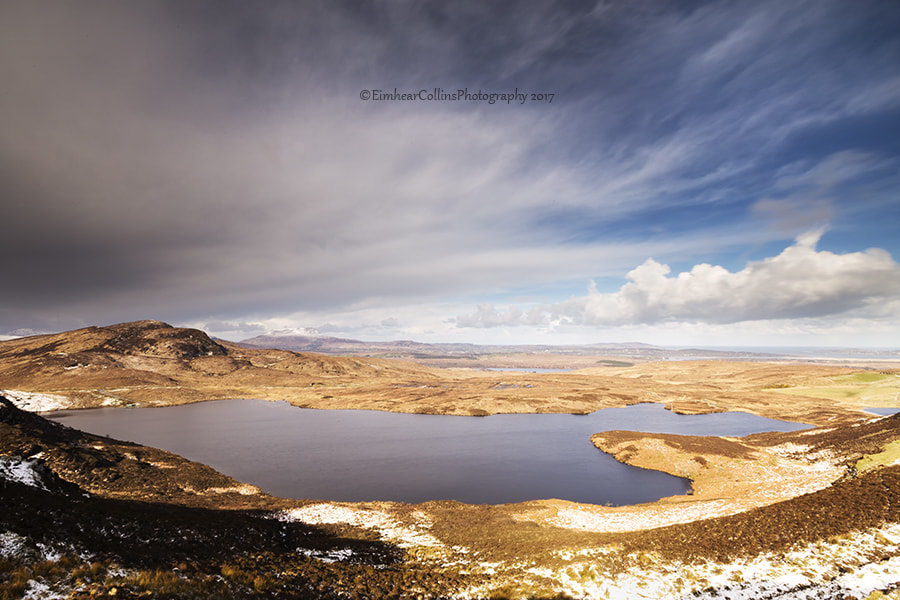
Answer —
371 455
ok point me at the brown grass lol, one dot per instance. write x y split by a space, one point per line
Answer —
149 362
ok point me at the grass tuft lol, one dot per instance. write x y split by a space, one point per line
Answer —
888 456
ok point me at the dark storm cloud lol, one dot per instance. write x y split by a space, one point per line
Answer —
173 153
213 159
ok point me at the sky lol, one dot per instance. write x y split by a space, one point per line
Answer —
676 173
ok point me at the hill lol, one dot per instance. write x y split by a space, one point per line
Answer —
153 363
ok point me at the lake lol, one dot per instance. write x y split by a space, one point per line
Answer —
350 455
883 412
526 370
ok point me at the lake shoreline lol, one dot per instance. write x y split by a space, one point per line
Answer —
728 476
486 460
533 545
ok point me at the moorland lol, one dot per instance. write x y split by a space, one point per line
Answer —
812 513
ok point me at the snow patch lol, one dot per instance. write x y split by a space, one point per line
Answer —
328 556
36 401
817 431
796 451
844 567
389 529
49 553
614 521
12 545
244 489
790 450
39 590
21 470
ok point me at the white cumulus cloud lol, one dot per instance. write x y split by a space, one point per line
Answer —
800 282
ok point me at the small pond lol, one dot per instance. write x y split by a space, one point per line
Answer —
882 411
350 455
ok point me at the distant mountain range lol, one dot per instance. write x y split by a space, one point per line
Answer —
461 354
421 350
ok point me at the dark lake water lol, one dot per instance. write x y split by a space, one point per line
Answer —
350 455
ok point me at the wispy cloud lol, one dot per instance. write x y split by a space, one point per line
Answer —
212 161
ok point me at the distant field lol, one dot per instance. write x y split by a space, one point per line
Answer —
858 389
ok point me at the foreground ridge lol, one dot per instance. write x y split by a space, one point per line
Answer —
96 514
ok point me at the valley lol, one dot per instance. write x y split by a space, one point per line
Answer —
151 363
810 513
